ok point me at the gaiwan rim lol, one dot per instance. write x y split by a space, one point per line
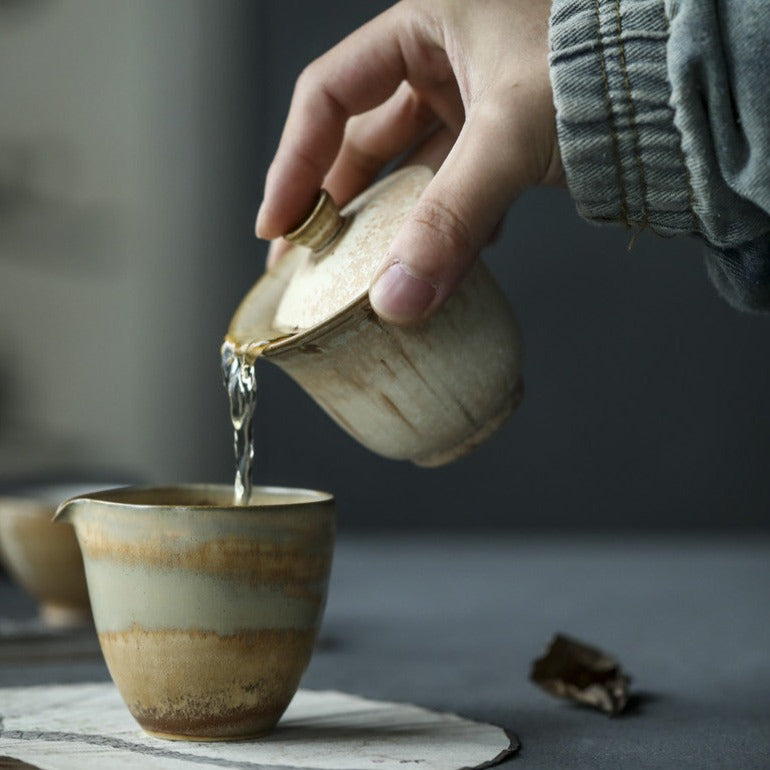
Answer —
184 496
292 339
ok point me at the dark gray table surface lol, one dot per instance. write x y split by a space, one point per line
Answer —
453 623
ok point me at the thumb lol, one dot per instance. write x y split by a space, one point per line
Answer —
452 221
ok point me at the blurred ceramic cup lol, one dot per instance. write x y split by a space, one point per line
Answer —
43 558
207 612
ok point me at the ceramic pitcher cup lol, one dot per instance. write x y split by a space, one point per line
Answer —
206 611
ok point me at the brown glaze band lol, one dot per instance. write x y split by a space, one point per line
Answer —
252 562
241 684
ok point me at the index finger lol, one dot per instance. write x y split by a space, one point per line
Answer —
356 75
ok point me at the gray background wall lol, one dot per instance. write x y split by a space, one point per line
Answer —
133 143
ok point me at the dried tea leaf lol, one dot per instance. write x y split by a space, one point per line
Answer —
576 671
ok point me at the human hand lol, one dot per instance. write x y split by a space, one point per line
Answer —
467 83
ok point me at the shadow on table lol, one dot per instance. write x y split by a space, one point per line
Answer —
638 703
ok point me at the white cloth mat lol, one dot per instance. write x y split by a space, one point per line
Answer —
87 726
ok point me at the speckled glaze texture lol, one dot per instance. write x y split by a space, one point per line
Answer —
207 612
428 393
44 559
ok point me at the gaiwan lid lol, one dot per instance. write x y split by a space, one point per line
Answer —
342 250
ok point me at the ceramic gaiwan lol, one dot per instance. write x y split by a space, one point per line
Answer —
427 393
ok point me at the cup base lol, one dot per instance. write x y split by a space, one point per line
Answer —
250 736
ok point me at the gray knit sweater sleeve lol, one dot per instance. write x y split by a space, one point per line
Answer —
663 118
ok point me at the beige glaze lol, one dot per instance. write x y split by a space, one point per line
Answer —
44 558
427 393
207 612
326 280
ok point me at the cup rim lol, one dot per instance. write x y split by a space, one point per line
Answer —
220 497
40 500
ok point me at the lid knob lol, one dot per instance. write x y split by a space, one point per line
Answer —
321 226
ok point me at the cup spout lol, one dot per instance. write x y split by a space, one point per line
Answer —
68 510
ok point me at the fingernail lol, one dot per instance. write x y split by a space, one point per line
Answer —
258 228
399 297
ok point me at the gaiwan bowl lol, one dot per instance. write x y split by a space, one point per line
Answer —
207 612
43 558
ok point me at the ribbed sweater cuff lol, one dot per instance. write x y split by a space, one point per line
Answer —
620 148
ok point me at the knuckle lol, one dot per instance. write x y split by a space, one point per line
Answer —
416 110
307 80
305 158
365 161
445 224
313 90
